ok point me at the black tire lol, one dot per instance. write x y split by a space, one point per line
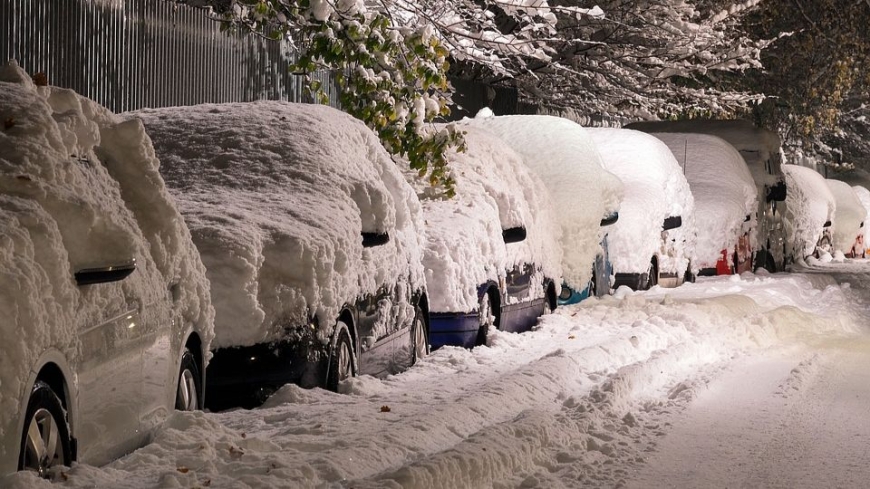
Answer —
487 318
593 284
736 263
44 423
419 337
188 392
341 359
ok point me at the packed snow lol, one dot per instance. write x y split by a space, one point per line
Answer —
586 400
79 189
563 155
810 205
464 243
655 189
276 195
849 217
722 187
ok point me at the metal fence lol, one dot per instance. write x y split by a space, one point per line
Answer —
130 54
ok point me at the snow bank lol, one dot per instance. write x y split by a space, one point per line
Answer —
563 155
722 187
848 222
79 188
464 243
276 195
655 188
810 205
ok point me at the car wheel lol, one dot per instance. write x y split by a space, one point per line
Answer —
593 284
487 318
341 366
45 442
420 339
188 396
652 276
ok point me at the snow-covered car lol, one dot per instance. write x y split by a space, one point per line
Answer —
811 209
105 307
653 242
848 222
760 149
492 257
586 196
310 236
725 201
864 197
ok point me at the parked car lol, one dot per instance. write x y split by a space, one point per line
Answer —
864 197
848 227
811 207
311 238
586 195
107 318
653 242
725 201
760 149
492 257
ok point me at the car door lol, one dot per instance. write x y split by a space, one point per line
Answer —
374 329
110 377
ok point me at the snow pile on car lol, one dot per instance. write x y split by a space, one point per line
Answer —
563 156
722 187
465 247
79 188
276 195
849 219
655 189
810 205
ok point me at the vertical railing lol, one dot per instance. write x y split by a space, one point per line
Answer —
129 54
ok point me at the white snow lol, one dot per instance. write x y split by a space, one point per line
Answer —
655 188
722 187
849 218
464 243
79 188
583 401
276 195
810 205
563 155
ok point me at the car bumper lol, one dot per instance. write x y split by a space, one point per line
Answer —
453 328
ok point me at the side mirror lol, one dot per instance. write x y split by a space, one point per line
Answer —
748 218
103 275
610 220
672 222
514 235
777 193
370 240
827 224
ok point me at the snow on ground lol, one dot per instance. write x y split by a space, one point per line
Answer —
849 218
810 205
722 187
655 189
589 399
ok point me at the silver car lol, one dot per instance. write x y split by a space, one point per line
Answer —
105 311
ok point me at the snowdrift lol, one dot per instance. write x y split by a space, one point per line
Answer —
810 205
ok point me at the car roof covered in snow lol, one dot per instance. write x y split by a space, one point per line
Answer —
565 158
464 243
849 216
810 205
277 195
655 189
723 189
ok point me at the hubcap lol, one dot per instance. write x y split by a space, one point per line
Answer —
187 391
42 449
419 339
344 366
